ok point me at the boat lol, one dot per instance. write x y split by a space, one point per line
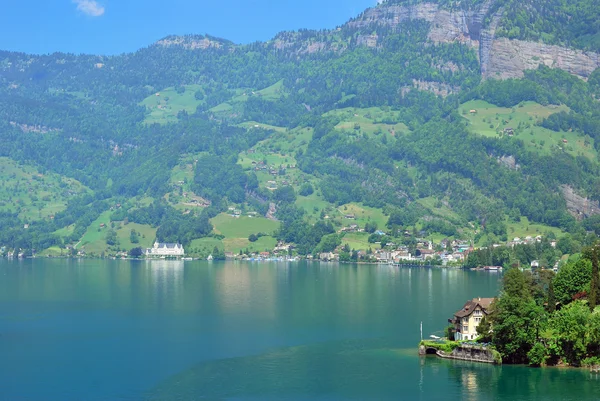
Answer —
492 268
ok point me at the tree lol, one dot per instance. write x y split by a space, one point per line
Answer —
218 254
252 238
136 252
111 237
370 227
285 194
591 253
515 318
570 327
571 279
134 237
306 189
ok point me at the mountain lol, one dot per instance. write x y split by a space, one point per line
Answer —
473 119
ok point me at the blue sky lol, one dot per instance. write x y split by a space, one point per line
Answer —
117 26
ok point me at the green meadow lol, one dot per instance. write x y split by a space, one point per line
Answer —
243 226
490 120
372 120
271 93
359 241
32 194
439 209
163 106
94 239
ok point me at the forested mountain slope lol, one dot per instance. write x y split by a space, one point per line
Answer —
457 119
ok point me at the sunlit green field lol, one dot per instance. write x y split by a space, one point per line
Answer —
490 120
33 195
164 105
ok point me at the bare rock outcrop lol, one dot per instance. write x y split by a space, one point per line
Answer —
509 58
577 205
499 57
190 43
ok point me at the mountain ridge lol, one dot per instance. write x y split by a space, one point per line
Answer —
388 116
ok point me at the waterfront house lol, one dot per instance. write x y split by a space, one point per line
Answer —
466 320
165 249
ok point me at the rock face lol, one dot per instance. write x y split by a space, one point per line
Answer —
577 205
509 58
189 42
500 58
446 26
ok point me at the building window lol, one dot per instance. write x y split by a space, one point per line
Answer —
465 329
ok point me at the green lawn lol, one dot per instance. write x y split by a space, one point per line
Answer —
237 231
490 120
163 108
205 246
242 227
236 245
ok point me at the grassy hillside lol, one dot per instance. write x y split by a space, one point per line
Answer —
372 120
237 230
271 93
490 120
162 107
33 195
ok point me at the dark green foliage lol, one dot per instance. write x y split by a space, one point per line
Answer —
136 252
306 237
370 227
515 318
574 23
218 177
172 225
284 194
592 254
537 354
111 237
134 237
218 254
571 279
520 254
306 190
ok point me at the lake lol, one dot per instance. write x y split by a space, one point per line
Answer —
175 330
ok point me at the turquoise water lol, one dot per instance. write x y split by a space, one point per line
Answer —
128 330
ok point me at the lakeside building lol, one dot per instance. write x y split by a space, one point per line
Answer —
165 249
466 320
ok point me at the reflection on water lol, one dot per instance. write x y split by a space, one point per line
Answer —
105 329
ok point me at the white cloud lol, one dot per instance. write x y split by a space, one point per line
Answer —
89 7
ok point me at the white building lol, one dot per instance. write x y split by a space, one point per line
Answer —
165 249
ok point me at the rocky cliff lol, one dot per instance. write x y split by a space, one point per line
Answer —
499 57
476 27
